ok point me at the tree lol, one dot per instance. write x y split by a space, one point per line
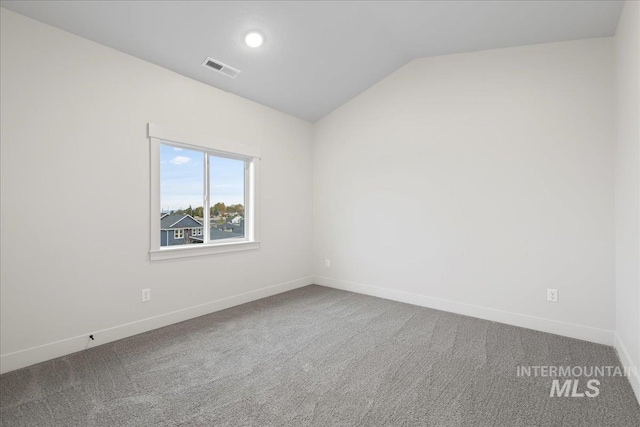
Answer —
199 212
239 209
219 209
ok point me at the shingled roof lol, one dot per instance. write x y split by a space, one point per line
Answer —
173 221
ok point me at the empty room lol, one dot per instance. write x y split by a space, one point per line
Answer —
320 213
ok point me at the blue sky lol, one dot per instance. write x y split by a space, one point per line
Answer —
182 179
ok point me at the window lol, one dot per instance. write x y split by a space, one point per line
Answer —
205 188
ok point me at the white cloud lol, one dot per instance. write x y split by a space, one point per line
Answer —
177 149
180 160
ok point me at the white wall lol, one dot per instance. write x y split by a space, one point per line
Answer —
75 195
627 194
473 183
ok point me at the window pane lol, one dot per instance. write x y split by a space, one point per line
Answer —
226 191
181 195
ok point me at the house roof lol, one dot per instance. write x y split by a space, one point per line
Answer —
173 221
215 234
231 226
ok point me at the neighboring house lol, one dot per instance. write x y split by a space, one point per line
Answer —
181 229
230 227
236 220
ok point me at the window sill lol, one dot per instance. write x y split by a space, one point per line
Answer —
199 250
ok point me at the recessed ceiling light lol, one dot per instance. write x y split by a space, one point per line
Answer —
254 39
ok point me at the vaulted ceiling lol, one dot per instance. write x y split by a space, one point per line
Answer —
316 55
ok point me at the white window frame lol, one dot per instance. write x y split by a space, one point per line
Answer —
178 234
251 155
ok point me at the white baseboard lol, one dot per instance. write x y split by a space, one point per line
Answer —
626 360
586 333
33 355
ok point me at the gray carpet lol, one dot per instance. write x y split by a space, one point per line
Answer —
318 357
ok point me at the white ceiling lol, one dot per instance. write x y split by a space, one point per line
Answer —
317 55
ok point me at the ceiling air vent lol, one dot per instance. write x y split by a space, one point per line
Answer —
221 68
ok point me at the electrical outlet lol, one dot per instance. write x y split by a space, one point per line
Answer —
552 295
146 295
327 263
